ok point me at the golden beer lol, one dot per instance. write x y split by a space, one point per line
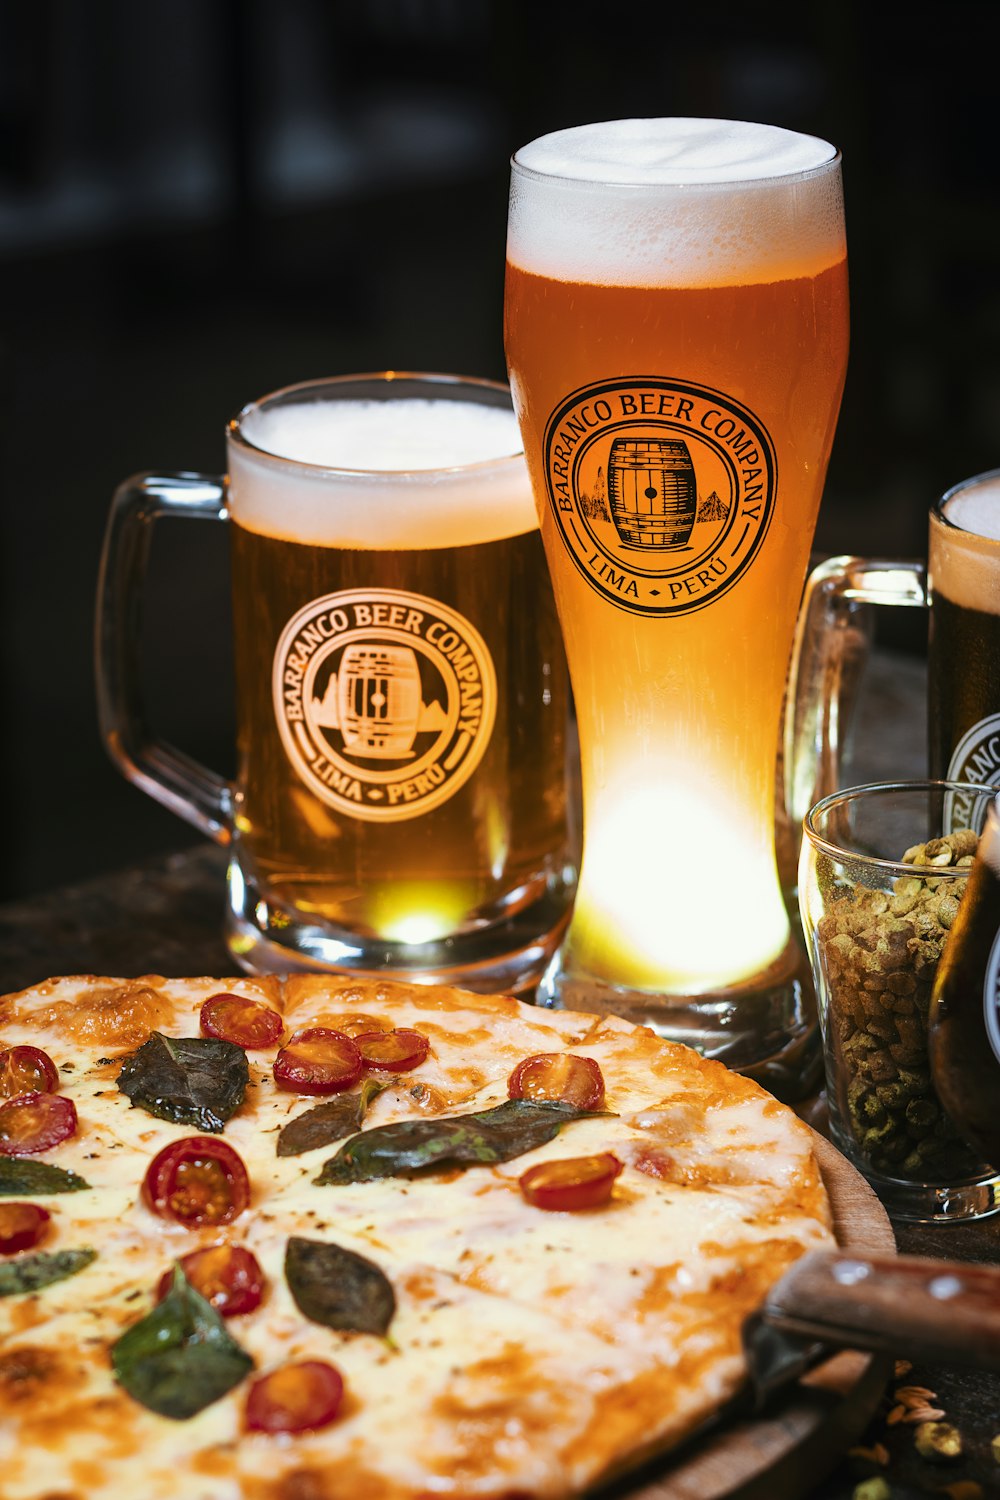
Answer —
677 285
401 683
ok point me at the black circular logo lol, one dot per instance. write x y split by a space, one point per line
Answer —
663 491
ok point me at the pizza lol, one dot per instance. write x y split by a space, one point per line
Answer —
304 1239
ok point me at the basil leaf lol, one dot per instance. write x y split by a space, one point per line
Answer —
338 1288
194 1080
329 1121
492 1135
179 1358
20 1178
32 1272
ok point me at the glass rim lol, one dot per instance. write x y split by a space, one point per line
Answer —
374 380
693 184
824 845
937 509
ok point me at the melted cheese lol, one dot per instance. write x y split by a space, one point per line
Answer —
531 1352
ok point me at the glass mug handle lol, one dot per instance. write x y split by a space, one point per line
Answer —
829 653
173 778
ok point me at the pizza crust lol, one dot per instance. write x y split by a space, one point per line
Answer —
531 1353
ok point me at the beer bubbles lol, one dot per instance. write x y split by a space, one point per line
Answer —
665 823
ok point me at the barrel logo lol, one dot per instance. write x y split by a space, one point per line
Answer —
662 491
384 701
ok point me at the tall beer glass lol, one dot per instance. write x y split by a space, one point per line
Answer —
399 805
676 334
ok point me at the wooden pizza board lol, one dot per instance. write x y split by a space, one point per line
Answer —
802 1436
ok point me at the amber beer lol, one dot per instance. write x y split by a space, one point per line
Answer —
401 684
677 283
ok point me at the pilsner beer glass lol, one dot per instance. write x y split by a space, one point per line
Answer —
399 805
676 335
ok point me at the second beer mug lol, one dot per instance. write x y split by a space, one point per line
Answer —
961 588
399 806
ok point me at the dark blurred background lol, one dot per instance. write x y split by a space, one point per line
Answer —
203 200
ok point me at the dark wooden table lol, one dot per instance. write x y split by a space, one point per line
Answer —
165 917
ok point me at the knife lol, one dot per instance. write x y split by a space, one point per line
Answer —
936 1310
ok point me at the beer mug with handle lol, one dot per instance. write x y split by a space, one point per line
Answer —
399 806
960 586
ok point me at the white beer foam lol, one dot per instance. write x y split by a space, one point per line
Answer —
407 473
411 433
965 556
675 202
976 508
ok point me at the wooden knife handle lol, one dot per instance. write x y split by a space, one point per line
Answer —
930 1309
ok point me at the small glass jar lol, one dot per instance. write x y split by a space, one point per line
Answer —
882 871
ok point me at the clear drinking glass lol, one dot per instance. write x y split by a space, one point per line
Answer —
882 871
399 806
676 334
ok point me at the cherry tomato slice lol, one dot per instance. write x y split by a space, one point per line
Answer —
296 1398
656 1163
197 1180
35 1122
318 1061
228 1276
27 1070
558 1076
237 1018
22 1225
571 1183
392 1051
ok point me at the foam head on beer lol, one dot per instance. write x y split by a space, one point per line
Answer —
587 204
965 554
416 473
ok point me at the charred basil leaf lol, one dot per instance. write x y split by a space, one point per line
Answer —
338 1288
328 1122
179 1358
20 1178
195 1081
492 1135
31 1272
